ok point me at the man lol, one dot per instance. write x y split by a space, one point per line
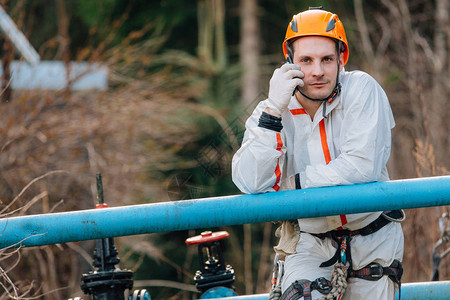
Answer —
323 126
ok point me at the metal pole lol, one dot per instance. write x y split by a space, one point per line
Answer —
220 211
18 38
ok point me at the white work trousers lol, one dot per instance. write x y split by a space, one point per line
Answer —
381 247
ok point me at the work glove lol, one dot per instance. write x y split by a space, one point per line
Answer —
282 85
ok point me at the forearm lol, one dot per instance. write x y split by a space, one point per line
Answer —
257 165
251 174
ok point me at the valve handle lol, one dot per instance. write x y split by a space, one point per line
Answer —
207 237
101 205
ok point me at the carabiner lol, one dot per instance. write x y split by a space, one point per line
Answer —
344 250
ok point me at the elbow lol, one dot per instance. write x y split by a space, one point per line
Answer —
244 178
253 177
369 172
374 167
247 185
361 167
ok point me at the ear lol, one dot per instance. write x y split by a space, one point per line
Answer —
341 61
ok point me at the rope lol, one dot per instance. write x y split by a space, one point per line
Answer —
338 281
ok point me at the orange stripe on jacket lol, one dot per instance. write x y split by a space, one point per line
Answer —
298 111
279 142
326 153
323 139
276 187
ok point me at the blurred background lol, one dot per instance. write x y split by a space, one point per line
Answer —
183 76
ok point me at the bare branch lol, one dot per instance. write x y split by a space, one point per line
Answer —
28 185
363 31
56 205
30 203
442 24
83 253
385 38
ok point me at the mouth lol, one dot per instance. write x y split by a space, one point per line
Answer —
318 84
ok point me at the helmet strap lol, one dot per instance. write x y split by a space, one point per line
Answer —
329 99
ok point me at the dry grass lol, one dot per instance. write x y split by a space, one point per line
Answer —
119 133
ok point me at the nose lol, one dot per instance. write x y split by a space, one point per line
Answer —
317 69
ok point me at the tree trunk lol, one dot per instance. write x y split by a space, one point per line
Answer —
249 51
64 40
7 58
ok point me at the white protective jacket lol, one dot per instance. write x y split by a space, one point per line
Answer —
351 145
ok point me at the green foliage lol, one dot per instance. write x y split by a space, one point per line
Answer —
95 14
176 18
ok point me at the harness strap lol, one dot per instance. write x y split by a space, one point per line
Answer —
366 230
342 254
303 288
337 235
375 271
298 289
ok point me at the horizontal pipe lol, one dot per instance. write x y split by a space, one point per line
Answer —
91 224
435 290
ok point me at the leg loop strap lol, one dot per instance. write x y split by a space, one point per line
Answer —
375 271
303 288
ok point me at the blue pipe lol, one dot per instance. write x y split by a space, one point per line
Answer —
435 290
91 224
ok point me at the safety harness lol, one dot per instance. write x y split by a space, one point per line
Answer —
341 260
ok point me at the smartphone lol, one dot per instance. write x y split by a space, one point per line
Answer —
289 60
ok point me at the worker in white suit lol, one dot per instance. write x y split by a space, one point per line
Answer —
323 126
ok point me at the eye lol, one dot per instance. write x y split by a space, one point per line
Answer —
328 59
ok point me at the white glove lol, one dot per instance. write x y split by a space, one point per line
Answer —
282 85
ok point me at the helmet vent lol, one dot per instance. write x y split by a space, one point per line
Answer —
294 26
331 25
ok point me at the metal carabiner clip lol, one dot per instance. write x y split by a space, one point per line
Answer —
344 250
278 271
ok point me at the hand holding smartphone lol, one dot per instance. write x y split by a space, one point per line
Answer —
290 60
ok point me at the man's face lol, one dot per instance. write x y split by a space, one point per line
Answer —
317 58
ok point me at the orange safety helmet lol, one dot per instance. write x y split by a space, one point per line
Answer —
316 22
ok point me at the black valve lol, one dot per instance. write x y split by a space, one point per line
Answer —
213 271
108 282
